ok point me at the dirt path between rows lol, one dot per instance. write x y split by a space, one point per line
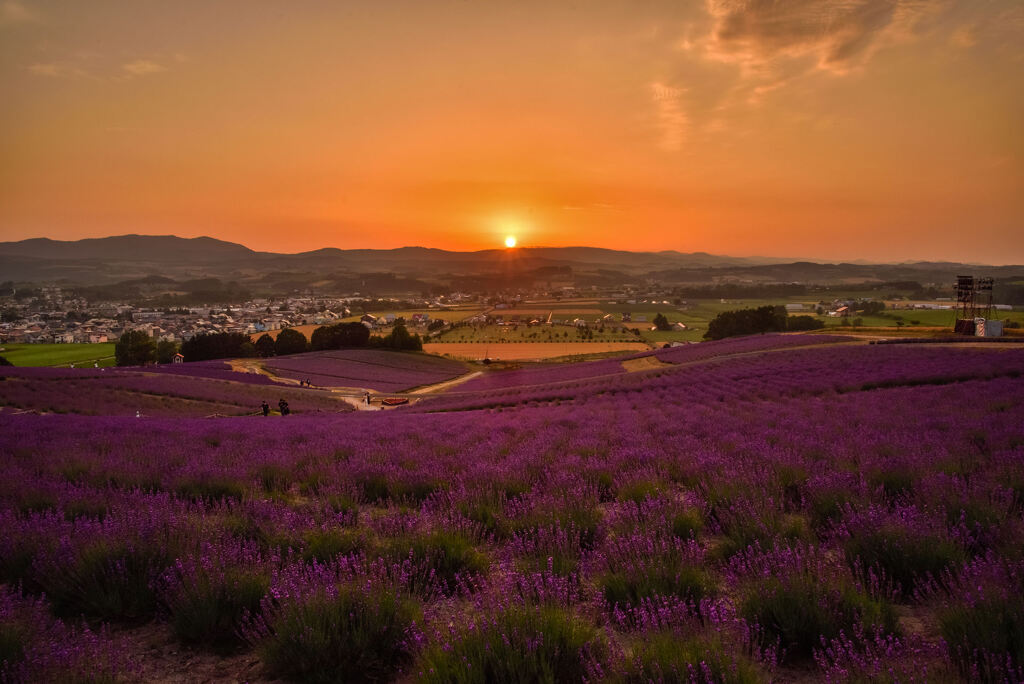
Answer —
442 386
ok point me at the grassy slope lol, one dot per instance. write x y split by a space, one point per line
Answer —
59 354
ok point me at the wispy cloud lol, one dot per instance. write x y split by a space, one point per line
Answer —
775 44
964 37
834 35
142 67
672 119
93 67
50 69
13 13
58 70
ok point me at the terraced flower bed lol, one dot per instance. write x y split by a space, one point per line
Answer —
150 392
385 371
554 373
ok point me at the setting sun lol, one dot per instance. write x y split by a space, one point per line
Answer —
510 241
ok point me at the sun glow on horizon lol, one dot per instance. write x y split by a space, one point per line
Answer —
510 241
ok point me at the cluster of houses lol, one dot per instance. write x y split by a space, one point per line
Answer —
54 318
38 330
416 320
609 320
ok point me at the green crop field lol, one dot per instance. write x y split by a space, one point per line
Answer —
697 313
539 333
59 354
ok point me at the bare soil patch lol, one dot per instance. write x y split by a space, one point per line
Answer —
644 363
442 386
160 658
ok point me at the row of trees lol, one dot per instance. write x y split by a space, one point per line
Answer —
760 320
136 348
337 336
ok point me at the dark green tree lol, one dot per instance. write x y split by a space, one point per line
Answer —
399 338
5 362
747 322
134 348
165 351
354 334
324 337
265 346
797 323
661 322
339 335
214 346
290 341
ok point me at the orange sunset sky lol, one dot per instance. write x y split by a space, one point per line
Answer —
840 129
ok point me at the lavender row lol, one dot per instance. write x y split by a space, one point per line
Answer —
744 345
388 371
799 371
373 382
127 393
685 354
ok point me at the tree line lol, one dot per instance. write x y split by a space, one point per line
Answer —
136 348
760 320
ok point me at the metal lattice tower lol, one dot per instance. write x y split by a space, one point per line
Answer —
965 297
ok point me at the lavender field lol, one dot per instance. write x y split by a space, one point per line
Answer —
554 373
186 390
383 371
845 513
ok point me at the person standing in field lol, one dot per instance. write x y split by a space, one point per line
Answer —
265 407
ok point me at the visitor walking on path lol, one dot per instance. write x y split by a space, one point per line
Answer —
283 405
265 407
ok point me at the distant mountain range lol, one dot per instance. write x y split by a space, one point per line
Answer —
97 261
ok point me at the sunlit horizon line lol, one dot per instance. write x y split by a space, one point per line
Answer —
520 247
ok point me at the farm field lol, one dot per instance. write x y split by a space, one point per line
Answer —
550 375
562 310
697 313
526 351
536 333
184 390
58 354
772 508
378 370
458 314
